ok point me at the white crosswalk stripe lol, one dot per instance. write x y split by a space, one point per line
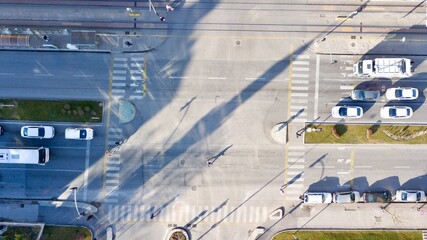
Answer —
206 214
300 87
295 173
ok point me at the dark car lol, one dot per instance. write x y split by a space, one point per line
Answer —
378 197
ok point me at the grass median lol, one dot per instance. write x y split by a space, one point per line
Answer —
51 110
350 235
366 134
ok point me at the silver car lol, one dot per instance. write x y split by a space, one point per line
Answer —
364 95
347 112
396 112
37 132
317 197
405 93
410 196
346 197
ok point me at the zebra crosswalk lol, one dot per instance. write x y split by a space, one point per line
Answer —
112 173
300 85
295 172
187 214
129 78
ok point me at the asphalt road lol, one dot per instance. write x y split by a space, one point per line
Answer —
224 77
54 76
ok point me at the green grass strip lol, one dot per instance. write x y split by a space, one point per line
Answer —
51 110
351 235
367 134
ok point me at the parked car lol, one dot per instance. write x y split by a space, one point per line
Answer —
37 132
317 197
346 197
364 95
396 112
410 196
380 197
79 133
405 93
347 112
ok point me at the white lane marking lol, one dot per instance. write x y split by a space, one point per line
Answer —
115 71
7 74
249 78
302 75
300 69
348 68
303 114
172 77
116 84
294 94
406 167
294 180
118 90
300 62
343 172
301 56
214 78
120 65
302 100
363 166
303 120
299 81
86 172
299 88
295 166
332 79
82 75
120 59
316 89
137 59
346 87
323 166
341 148
115 77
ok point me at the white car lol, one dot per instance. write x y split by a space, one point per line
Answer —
79 133
317 197
37 132
396 112
405 93
410 196
346 197
347 112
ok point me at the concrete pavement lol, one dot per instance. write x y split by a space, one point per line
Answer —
344 216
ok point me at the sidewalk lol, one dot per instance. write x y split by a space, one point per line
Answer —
53 213
394 43
348 216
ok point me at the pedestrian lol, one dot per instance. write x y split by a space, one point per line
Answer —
169 8
127 43
162 19
89 217
282 191
209 163
46 38
152 216
298 135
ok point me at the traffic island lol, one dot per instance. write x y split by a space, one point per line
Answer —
178 234
365 134
51 110
345 234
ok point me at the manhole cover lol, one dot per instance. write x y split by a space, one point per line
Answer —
193 188
353 44
238 43
377 219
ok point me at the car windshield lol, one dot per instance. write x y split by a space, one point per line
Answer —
403 66
392 112
360 68
343 111
352 197
404 196
82 133
399 93
41 132
418 196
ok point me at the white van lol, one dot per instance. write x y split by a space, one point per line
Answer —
317 197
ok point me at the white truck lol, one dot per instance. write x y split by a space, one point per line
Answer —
383 68
31 155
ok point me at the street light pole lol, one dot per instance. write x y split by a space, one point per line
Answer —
74 189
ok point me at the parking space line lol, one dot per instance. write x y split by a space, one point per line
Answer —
86 172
